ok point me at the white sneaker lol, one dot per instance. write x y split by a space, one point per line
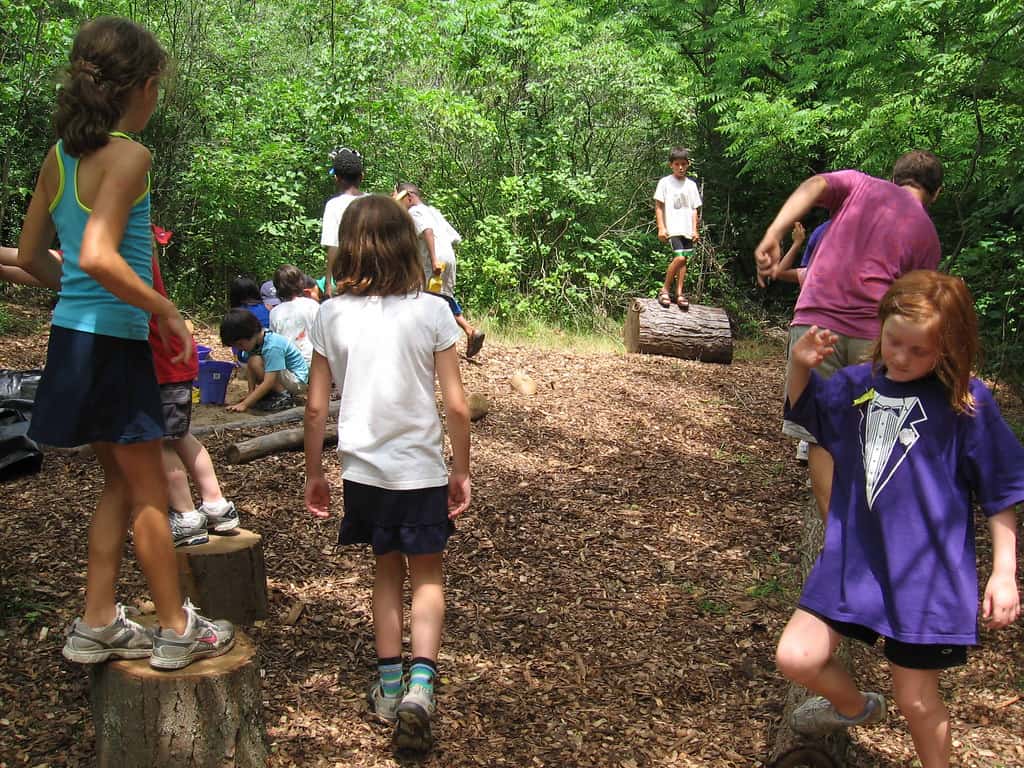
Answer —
188 528
221 517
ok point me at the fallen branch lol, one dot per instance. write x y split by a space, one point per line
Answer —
284 440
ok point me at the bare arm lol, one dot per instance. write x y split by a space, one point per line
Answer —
1001 603
696 224
783 270
318 492
428 238
332 256
456 411
260 391
659 219
38 231
768 252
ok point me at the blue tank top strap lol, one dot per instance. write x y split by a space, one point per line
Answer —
84 304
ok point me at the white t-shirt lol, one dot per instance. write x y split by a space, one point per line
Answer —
293 319
333 211
426 217
681 199
381 354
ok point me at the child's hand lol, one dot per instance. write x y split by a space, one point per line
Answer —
813 347
174 325
458 494
799 233
1001 604
767 254
663 235
238 407
318 497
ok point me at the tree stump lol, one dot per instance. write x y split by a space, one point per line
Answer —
699 333
206 715
226 576
790 750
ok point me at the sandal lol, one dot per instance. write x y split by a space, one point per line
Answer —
664 299
682 302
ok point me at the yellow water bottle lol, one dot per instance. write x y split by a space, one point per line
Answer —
434 283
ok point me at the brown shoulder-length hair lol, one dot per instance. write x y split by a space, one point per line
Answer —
377 249
944 303
110 57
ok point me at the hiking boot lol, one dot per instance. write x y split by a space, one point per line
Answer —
384 707
414 712
817 716
202 639
121 639
220 519
276 401
188 528
475 343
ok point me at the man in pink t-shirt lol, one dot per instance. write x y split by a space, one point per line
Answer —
880 230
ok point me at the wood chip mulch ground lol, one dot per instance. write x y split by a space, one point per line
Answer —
614 594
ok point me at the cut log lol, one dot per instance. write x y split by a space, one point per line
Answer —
226 576
207 715
790 750
699 333
282 440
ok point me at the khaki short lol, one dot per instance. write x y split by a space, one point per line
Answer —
291 382
849 351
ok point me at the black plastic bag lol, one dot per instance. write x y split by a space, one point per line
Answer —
19 455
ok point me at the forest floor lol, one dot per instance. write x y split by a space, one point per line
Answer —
614 594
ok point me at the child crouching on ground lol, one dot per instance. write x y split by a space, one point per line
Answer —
275 369
916 441
383 341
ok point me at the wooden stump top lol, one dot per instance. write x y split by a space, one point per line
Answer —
241 653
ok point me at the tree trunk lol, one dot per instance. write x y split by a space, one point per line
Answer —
699 333
206 715
790 750
284 440
226 576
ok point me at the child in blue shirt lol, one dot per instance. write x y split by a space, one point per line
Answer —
275 369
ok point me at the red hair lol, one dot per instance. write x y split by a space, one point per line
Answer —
943 303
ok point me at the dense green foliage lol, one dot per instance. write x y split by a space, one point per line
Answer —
540 127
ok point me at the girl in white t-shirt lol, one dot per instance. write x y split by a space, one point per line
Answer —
382 340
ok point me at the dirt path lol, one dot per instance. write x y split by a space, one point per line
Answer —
613 596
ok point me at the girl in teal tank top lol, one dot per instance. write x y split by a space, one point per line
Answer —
98 384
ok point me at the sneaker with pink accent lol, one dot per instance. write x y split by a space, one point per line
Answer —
202 639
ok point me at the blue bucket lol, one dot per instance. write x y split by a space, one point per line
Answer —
203 352
213 380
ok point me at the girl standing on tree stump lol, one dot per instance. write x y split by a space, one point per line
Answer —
98 384
917 442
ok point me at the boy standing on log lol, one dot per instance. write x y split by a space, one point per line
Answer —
677 213
879 230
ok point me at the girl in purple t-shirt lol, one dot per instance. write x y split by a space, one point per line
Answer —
917 443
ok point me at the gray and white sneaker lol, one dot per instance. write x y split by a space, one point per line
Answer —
220 519
384 707
817 716
202 639
413 733
188 528
121 639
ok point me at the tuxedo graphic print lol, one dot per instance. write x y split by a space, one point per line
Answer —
889 430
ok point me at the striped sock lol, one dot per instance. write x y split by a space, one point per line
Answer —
390 676
422 672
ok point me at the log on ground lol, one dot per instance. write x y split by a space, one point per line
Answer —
226 576
207 715
699 333
275 442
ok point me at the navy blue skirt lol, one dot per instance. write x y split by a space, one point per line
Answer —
413 522
96 389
